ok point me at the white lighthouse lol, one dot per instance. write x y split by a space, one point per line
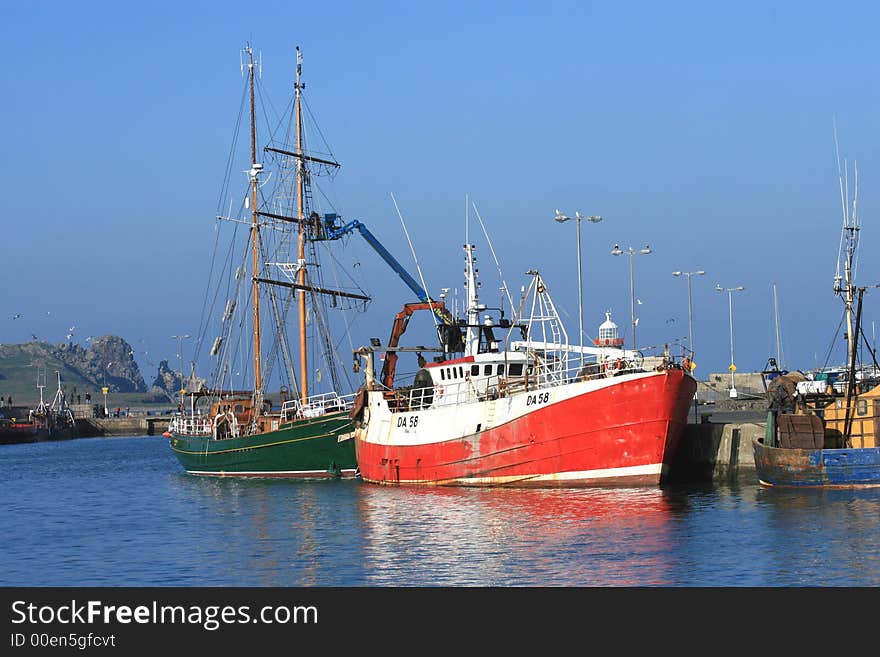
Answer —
609 335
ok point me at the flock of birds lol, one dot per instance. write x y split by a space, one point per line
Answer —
70 330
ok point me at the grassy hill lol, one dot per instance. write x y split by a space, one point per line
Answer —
21 365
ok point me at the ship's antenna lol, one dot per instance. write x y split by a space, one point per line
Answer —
415 259
779 357
855 215
837 276
467 220
494 257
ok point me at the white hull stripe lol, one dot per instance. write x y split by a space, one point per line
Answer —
276 473
582 475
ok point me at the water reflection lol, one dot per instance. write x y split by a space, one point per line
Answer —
821 535
120 512
268 532
516 537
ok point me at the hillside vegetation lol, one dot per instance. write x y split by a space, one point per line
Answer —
108 360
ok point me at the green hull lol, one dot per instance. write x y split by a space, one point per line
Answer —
314 448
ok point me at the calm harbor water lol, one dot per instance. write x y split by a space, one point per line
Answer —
121 512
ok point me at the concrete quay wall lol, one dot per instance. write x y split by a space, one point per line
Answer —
716 452
121 426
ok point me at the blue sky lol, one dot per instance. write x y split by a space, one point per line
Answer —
704 129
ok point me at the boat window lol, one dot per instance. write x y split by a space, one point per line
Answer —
475 370
516 369
501 369
862 407
460 372
442 375
239 408
487 370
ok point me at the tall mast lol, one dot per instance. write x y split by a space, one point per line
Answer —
851 379
851 230
301 252
849 244
776 317
472 337
255 232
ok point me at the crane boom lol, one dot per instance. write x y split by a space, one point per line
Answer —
333 229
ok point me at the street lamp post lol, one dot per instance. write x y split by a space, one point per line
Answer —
699 272
180 339
105 388
562 218
616 251
732 368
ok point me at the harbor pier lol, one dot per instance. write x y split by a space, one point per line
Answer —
717 452
134 425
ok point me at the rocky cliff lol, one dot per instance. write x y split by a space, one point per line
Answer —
170 383
108 359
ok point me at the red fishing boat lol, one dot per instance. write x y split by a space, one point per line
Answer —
53 421
534 411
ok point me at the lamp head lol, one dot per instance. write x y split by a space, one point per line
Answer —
592 218
616 250
699 272
676 273
561 218
646 250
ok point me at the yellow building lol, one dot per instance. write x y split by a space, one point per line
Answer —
865 413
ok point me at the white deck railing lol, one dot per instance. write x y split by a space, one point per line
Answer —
191 425
540 377
316 405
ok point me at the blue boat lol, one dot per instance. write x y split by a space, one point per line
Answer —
845 467
826 436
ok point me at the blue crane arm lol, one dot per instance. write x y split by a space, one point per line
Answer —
411 283
333 232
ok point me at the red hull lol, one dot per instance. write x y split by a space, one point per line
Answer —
624 434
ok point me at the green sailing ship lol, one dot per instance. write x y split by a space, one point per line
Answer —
222 428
